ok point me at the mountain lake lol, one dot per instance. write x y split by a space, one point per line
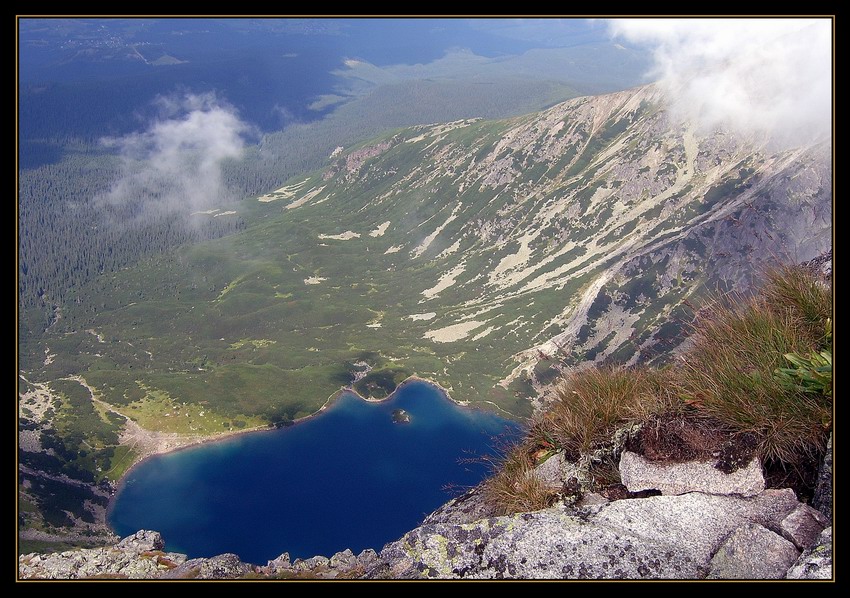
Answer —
355 476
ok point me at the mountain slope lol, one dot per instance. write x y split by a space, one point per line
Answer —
483 255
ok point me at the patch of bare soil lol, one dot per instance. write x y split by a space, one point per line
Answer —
801 478
619 492
674 438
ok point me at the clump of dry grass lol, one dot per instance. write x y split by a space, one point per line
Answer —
795 289
739 344
514 488
590 404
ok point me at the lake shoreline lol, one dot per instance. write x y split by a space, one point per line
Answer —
176 443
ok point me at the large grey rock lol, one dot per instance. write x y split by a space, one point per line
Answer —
697 522
753 552
639 474
822 499
131 561
367 559
815 562
142 540
223 566
552 471
802 526
186 570
280 563
466 508
314 562
148 567
656 537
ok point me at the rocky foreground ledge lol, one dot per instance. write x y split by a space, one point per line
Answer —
691 536
702 526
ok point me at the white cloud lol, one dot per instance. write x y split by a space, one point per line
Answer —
175 165
761 76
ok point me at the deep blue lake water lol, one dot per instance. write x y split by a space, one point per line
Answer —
349 478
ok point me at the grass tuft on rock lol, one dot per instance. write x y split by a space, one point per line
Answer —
589 406
733 369
514 488
733 381
591 403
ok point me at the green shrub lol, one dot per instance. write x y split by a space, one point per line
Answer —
811 373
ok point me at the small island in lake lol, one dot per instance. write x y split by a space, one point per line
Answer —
400 416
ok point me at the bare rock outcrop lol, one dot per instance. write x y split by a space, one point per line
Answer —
658 537
735 557
638 473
